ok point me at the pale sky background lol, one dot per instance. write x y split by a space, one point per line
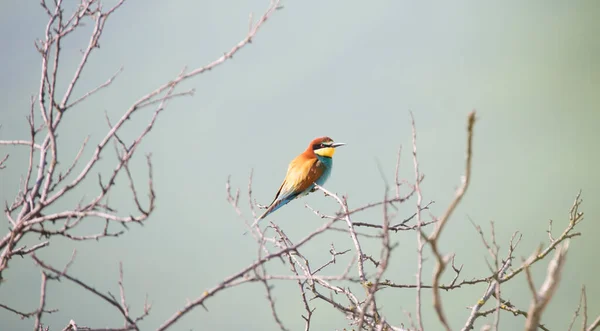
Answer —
351 70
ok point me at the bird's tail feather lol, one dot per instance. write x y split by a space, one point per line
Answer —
273 207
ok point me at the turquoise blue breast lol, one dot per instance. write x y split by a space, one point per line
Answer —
328 163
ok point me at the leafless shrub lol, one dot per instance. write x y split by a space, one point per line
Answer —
49 180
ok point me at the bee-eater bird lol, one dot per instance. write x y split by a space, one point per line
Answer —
311 167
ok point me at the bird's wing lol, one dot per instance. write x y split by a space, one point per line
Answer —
301 174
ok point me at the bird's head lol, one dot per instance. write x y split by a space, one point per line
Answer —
324 146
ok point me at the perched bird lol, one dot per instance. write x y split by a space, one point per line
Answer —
311 167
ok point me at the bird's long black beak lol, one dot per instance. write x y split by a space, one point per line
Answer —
334 145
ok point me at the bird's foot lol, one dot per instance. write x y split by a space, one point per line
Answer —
315 188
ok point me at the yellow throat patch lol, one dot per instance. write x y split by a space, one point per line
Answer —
325 152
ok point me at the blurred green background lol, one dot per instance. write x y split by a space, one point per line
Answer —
351 70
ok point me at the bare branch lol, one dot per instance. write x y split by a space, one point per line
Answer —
381 268
575 216
229 281
576 314
594 325
25 315
40 311
19 142
439 226
108 298
268 289
420 235
2 166
95 90
543 296
344 205
585 315
24 250
488 293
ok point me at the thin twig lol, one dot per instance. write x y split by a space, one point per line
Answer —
439 226
542 297
346 217
420 236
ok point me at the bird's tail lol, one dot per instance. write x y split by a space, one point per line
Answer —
273 207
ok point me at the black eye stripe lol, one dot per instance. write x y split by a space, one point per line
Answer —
322 145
